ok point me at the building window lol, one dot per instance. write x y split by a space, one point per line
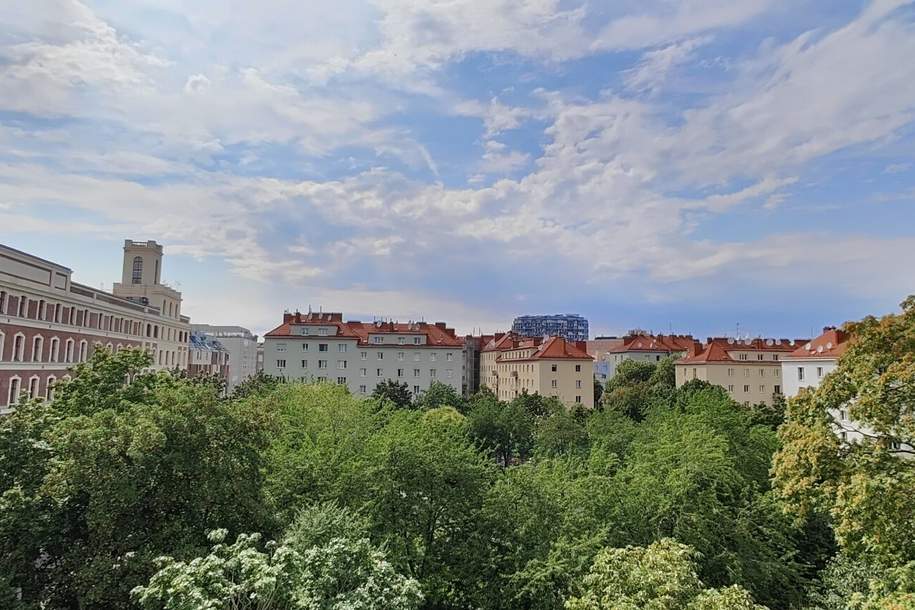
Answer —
432 357
554 383
362 389
83 351
363 355
322 347
341 364
304 347
49 388
400 356
137 270
449 357
731 388
762 388
400 372
746 372
281 347
380 355
341 347
730 372
432 373
578 399
553 368
578 383
819 371
378 373
577 368
800 373
401 340
416 372
37 348
341 380
304 364
377 339
322 332
68 350
23 306
19 348
33 387
322 364
416 340
746 389
15 390
280 364
777 389
762 372
363 372
843 436
416 390
843 415
743 356
759 356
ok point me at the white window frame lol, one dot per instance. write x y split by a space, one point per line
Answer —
18 351
12 398
37 346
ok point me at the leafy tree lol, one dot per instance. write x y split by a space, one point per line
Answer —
661 576
440 395
627 392
121 472
427 489
559 432
395 392
598 392
537 405
336 574
864 487
504 429
256 385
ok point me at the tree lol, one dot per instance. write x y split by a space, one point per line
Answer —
440 395
120 473
863 487
304 571
560 432
392 391
256 385
598 392
506 430
661 576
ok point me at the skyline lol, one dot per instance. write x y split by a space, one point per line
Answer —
678 167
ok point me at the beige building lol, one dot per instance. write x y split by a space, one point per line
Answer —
749 369
644 347
511 365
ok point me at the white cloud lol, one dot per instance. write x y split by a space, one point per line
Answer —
655 67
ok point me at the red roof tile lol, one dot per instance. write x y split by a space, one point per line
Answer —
437 335
552 348
666 344
831 344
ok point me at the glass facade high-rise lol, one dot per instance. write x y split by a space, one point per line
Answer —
569 326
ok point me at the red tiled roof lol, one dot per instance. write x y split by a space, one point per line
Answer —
666 344
831 344
552 348
437 334
718 349
714 352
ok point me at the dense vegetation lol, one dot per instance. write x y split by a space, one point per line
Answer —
146 490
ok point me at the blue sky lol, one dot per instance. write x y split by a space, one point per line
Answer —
682 165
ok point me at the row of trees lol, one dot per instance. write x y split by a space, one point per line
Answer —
159 493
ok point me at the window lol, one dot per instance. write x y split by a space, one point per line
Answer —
777 389
280 364
746 389
762 372
322 364
400 372
341 364
730 372
363 355
15 389
746 372
281 347
378 373
553 368
449 357
83 351
49 388
2 341
578 399
304 364
800 373
68 350
400 356
432 357
23 306
778 372
416 390
731 388
401 340
377 339
37 348
363 372
742 356
341 347
762 388
322 347
19 348
578 383
843 436
362 389
554 384
577 368
416 372
759 356
322 332
380 355
341 380
304 347
137 270
819 371
843 414
432 373
417 340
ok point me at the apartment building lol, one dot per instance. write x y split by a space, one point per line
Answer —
473 348
599 349
511 365
644 347
749 369
320 346
207 357
569 326
241 345
49 323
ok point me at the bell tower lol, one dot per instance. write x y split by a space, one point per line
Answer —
142 263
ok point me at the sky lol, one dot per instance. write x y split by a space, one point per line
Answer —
675 166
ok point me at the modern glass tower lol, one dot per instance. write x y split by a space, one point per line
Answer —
569 326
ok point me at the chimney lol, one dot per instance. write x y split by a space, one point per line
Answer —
441 325
288 317
298 317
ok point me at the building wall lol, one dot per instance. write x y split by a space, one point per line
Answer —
362 367
750 382
38 299
571 381
806 373
241 345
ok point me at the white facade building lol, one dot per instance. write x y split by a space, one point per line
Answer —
242 348
322 347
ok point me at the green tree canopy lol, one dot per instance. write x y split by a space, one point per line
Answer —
397 393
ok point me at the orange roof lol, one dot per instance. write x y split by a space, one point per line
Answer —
830 345
437 335
666 344
552 348
718 349
714 352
